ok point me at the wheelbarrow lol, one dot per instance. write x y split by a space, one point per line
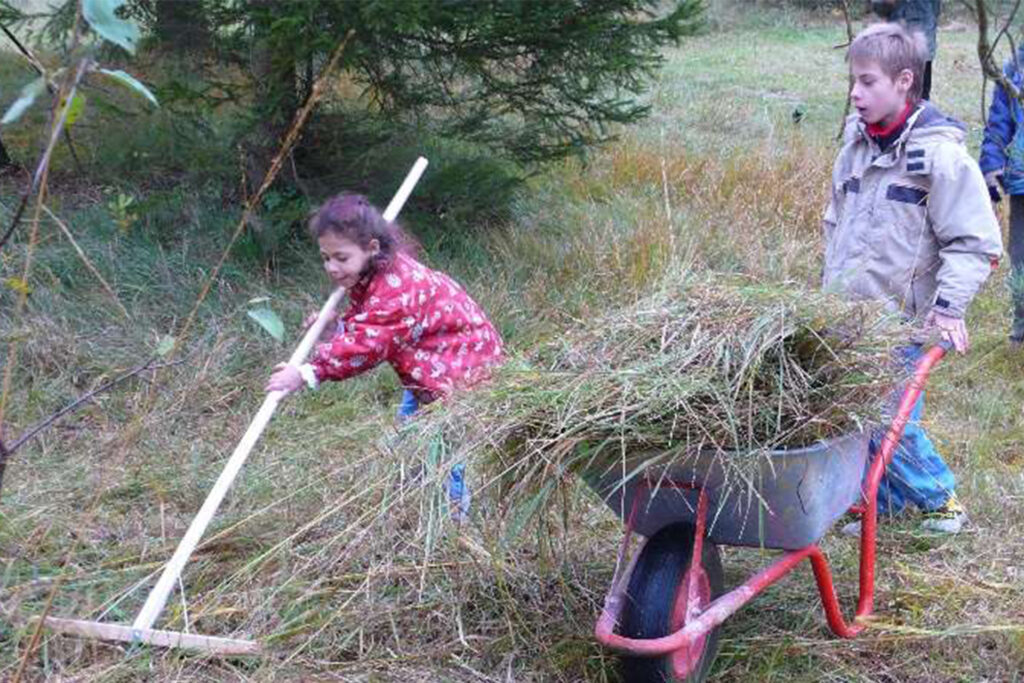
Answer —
666 603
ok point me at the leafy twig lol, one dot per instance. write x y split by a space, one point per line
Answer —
44 161
38 66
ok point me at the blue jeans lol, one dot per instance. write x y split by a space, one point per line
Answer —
1016 249
917 473
458 491
408 407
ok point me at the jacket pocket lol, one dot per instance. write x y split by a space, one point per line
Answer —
907 194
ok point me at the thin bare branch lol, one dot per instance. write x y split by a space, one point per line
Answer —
74 405
86 261
849 84
39 185
1006 25
25 52
986 50
35 430
289 141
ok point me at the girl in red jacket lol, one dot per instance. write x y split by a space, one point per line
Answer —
418 320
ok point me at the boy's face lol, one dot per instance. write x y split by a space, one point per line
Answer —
344 260
878 98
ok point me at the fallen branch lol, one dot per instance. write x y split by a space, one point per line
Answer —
32 432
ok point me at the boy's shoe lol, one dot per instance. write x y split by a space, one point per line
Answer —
948 519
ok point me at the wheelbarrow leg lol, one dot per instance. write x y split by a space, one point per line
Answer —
671 579
687 660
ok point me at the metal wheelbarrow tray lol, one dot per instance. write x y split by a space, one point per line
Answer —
800 494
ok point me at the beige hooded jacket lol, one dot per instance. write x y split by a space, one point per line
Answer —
913 225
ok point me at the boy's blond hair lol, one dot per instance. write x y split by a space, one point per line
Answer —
894 49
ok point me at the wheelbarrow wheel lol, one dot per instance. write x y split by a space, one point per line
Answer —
653 608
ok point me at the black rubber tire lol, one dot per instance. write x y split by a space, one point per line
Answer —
650 598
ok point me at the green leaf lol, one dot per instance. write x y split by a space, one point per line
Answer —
165 346
18 285
130 81
28 95
76 108
102 18
269 321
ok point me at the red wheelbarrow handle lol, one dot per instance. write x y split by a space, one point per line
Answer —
869 519
726 605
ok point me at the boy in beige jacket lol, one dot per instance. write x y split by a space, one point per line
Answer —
910 223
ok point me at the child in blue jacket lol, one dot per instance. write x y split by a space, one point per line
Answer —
1002 162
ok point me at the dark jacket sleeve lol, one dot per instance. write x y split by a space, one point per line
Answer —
999 131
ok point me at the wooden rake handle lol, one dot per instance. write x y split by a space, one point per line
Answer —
157 598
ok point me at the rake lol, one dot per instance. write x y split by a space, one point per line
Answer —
141 630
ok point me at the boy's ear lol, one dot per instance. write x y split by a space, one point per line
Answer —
374 247
905 80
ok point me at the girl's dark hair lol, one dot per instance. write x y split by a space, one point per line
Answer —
353 217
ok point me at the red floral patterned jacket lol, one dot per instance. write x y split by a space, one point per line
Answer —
418 320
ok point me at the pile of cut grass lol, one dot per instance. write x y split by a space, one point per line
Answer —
735 368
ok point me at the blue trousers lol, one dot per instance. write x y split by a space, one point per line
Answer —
1016 249
408 407
917 474
458 492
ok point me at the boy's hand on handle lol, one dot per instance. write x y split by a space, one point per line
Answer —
285 378
951 329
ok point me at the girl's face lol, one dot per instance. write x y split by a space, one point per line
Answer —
878 98
344 260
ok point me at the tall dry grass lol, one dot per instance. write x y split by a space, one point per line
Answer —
335 549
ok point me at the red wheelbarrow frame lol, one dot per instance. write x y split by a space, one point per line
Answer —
698 623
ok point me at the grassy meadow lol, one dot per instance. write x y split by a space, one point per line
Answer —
328 549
